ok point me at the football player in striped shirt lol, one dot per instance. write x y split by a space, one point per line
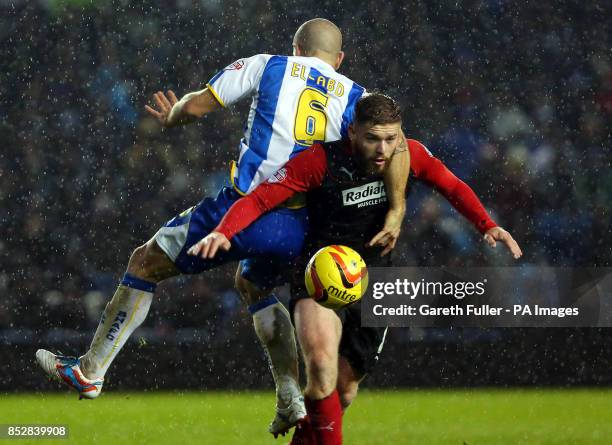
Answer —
295 101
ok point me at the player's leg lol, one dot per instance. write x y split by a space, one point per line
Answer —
126 310
272 243
162 257
360 349
275 331
319 331
348 382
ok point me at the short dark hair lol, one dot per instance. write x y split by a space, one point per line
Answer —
377 108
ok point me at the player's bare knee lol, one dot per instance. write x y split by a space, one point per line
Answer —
321 381
320 385
240 283
348 382
347 394
136 266
240 287
148 262
249 292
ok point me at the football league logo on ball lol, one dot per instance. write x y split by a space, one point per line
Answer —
336 276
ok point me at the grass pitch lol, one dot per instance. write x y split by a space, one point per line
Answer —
377 417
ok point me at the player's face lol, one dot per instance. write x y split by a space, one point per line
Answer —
375 144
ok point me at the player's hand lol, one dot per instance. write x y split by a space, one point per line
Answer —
389 235
208 246
498 234
164 103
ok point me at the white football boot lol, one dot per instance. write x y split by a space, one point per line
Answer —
67 370
287 418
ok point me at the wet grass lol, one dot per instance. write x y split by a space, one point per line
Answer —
377 417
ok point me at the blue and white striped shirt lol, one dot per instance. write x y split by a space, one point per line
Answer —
296 101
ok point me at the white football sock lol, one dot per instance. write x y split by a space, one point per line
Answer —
273 327
122 315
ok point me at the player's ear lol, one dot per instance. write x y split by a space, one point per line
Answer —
339 59
297 51
351 132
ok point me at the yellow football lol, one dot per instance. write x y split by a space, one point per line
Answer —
336 276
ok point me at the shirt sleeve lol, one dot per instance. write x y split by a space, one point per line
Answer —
431 170
302 173
238 80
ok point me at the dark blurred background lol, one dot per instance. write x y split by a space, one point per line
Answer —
515 97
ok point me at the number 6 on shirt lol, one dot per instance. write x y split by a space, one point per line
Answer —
310 117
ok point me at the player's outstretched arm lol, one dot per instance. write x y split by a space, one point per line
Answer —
432 171
302 173
171 112
396 179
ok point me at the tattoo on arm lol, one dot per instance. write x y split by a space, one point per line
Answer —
403 146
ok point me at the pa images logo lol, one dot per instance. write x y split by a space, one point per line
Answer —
237 65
